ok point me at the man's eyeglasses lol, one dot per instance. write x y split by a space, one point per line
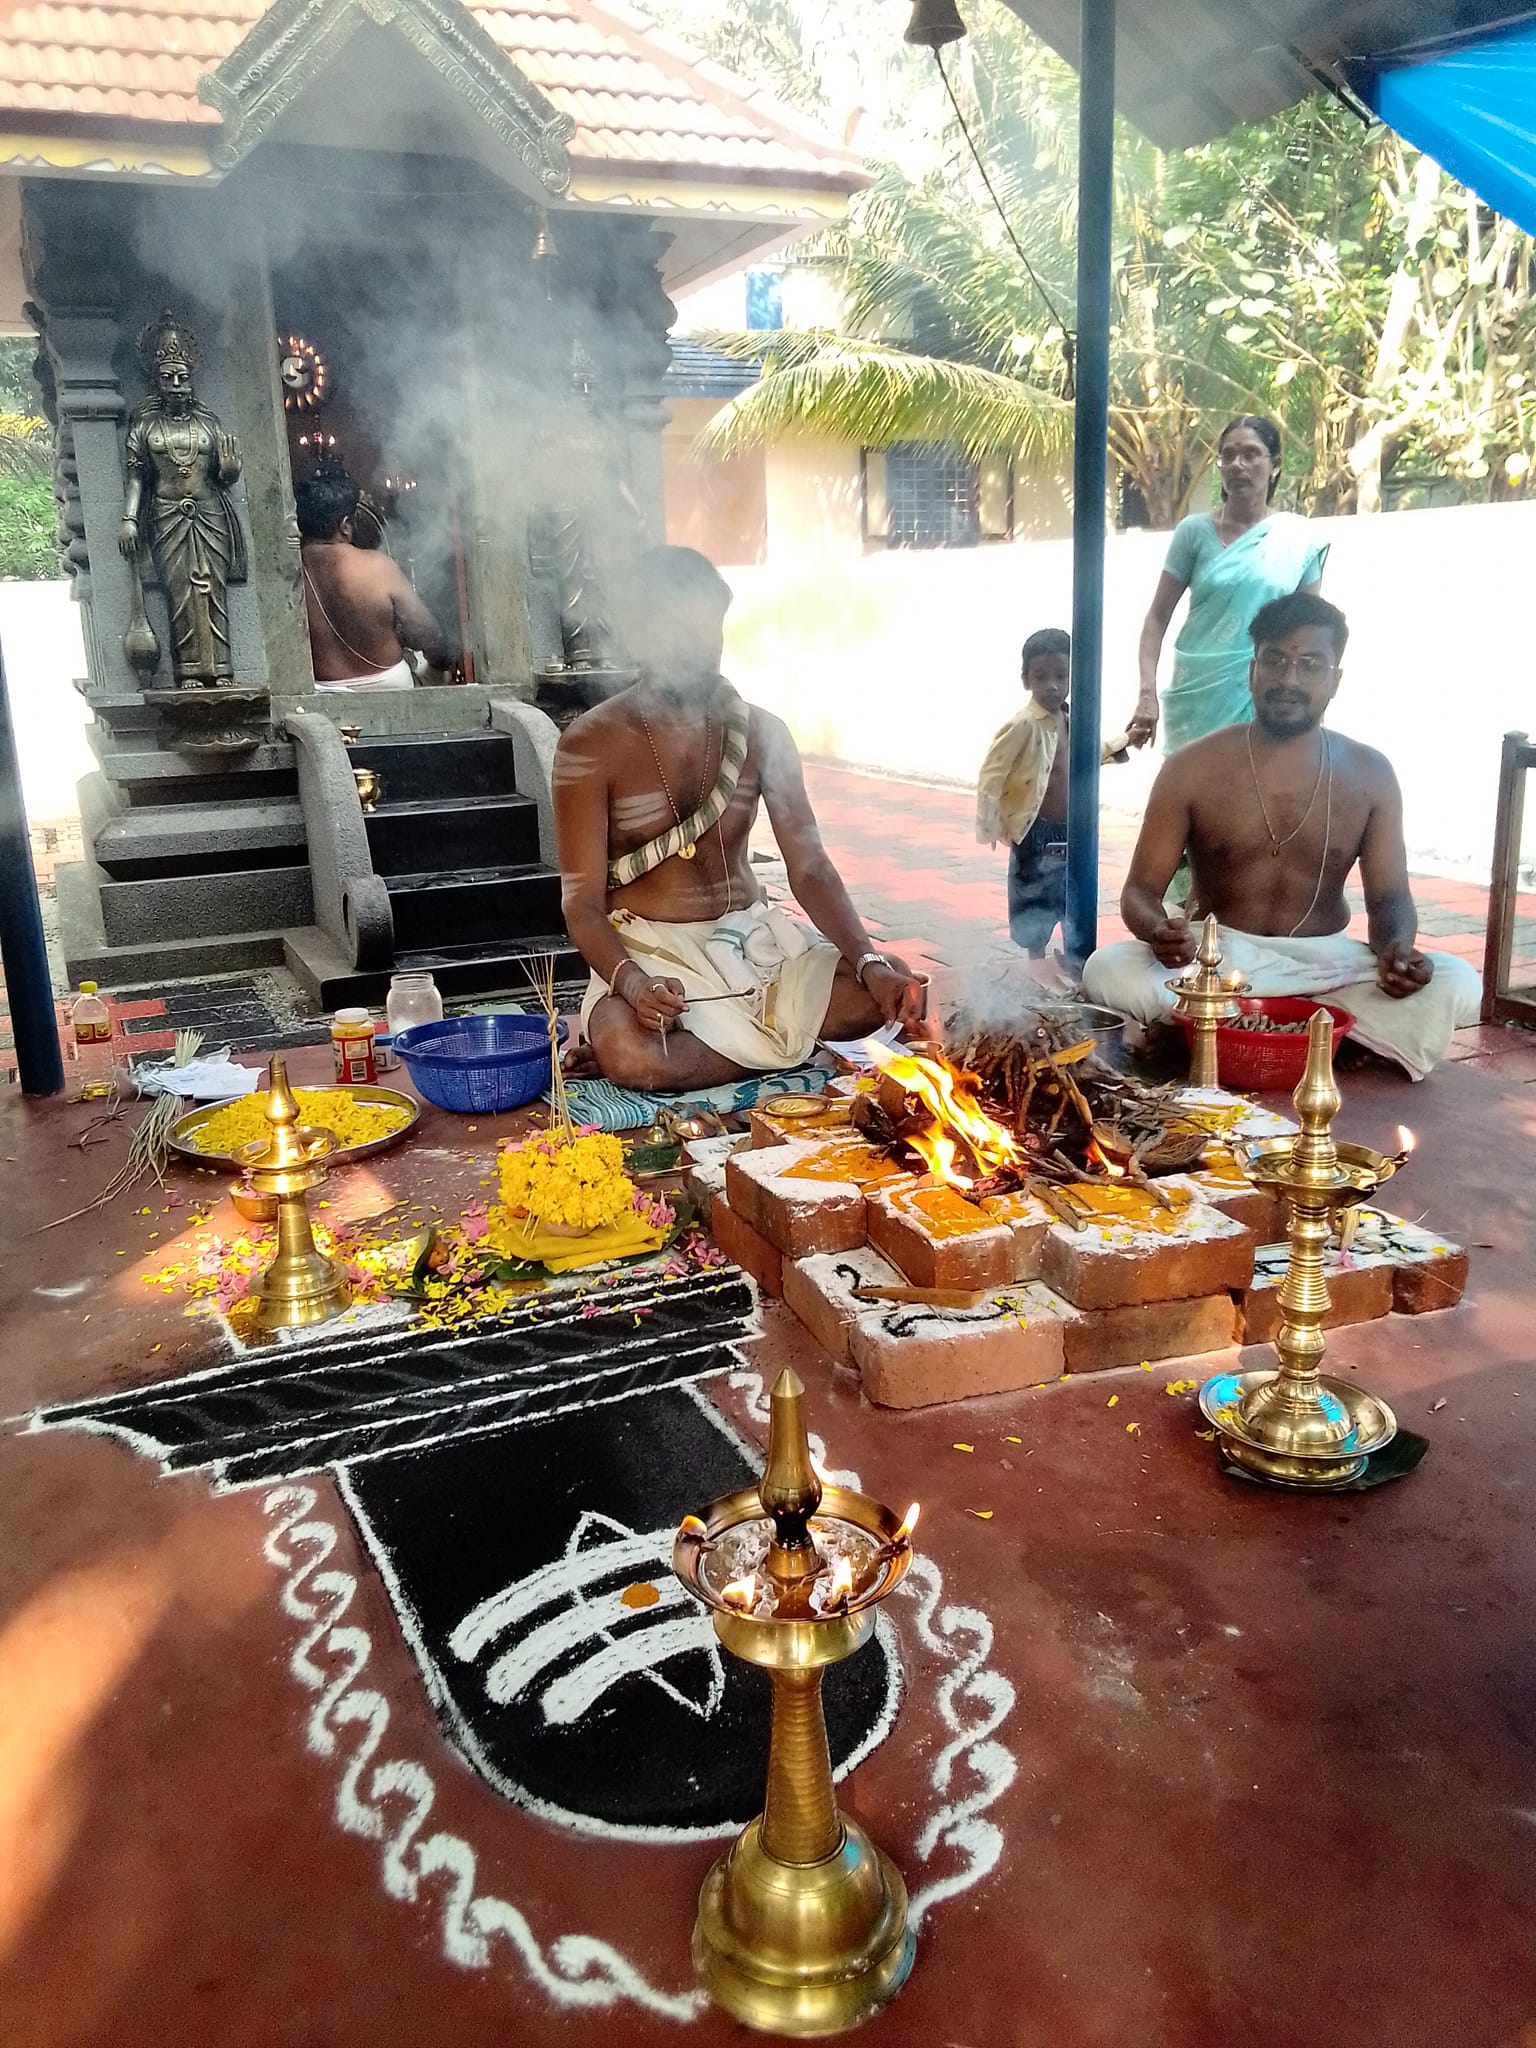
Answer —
1273 666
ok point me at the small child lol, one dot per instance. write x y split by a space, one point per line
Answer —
1021 793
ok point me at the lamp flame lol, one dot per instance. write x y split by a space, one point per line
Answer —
741 1594
1406 1141
842 1583
904 1533
690 1525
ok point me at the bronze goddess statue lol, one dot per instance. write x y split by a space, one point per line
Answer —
180 463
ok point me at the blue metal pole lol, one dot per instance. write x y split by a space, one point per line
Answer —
1095 210
23 955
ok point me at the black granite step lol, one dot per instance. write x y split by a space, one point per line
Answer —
480 907
428 834
513 969
462 970
463 767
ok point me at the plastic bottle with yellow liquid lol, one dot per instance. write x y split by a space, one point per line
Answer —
95 1047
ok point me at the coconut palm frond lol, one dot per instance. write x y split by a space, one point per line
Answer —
872 396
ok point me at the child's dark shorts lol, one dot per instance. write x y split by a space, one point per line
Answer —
1037 884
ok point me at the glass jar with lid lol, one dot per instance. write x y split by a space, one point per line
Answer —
413 999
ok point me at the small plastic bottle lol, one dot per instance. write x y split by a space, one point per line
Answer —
413 999
95 1048
352 1047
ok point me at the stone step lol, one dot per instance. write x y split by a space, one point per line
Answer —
153 775
151 841
433 835
204 905
513 968
480 907
465 766
429 713
89 955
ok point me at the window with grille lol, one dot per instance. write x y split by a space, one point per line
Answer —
765 301
933 497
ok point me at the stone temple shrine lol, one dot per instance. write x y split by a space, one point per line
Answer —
427 244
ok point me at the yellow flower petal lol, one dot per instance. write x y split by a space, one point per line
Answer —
1113 1401
962 1447
981 1514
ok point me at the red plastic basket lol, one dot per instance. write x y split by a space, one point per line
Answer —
1247 1061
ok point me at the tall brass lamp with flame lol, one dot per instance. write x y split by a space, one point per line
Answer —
1296 1427
802 1926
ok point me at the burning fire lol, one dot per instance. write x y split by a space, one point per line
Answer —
690 1525
841 1590
1099 1158
1406 1141
959 1117
741 1594
904 1533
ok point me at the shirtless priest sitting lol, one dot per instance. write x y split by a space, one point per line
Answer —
1273 817
695 979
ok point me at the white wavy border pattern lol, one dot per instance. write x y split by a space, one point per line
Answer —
388 1800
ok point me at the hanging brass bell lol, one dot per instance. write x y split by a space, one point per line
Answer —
934 23
544 249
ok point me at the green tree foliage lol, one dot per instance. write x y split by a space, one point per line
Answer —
28 513
1299 266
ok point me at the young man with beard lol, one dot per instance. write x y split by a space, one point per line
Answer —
1274 817
695 979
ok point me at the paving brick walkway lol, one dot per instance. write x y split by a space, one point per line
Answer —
907 851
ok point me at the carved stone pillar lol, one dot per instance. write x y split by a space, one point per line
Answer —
71 252
643 317
500 377
245 344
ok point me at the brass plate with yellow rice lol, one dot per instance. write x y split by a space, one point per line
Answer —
183 1139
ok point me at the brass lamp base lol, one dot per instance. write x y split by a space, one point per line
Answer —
803 1949
295 1292
1258 1433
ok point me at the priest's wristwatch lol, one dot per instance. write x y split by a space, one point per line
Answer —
869 960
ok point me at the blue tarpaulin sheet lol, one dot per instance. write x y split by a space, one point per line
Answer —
1472 107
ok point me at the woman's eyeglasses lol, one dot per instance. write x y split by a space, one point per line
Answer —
1274 666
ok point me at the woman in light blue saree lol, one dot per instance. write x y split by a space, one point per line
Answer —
1231 562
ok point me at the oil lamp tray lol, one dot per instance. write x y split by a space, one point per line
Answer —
1360 1167
1372 1423
180 1140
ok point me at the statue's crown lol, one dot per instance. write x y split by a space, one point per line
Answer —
166 340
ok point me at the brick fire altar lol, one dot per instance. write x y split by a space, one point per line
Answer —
934 1296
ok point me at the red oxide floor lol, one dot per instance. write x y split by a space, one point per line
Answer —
1180 1764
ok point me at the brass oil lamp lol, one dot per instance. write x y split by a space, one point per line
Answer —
301 1286
802 1925
1203 1000
1295 1427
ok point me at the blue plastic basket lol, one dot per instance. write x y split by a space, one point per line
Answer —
481 1064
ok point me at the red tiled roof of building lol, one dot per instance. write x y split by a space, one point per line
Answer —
639 98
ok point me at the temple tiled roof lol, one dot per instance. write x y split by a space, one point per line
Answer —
640 99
